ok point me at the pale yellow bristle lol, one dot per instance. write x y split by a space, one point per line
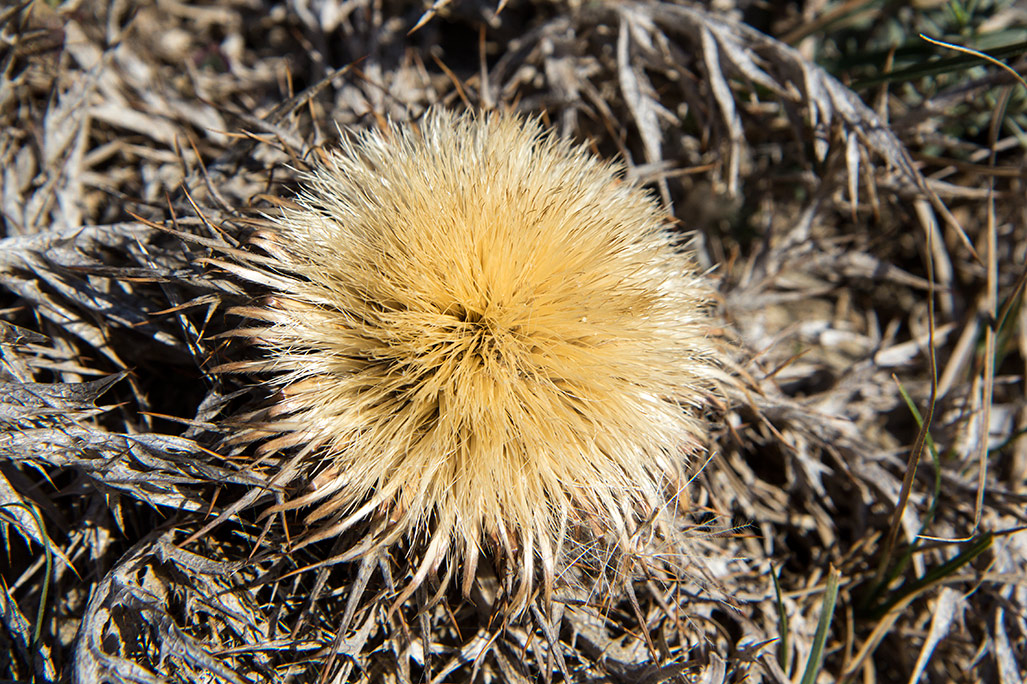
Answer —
489 335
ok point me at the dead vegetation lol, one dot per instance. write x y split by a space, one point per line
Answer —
868 246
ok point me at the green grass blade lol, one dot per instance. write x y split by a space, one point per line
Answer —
940 66
974 549
782 625
816 654
48 555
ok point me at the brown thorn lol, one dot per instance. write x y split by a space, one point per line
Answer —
456 81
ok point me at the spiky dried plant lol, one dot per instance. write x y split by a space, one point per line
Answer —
484 339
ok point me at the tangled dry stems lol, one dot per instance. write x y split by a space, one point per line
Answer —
108 113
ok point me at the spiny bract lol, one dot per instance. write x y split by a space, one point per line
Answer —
486 340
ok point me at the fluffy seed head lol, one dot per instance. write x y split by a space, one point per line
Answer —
486 340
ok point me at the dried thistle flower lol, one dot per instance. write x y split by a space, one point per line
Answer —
485 340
